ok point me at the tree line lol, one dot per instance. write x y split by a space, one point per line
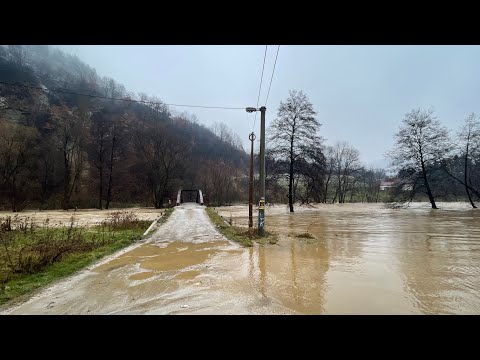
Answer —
432 162
300 167
427 161
64 150
59 149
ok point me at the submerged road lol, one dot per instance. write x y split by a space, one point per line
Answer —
186 266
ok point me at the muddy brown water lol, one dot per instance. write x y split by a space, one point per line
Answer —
81 217
363 259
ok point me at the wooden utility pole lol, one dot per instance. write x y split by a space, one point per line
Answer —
250 198
261 207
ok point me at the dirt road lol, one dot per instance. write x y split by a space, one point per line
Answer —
185 267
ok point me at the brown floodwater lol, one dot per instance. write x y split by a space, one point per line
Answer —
362 259
81 217
367 259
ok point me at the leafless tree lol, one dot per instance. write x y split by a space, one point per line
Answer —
226 135
99 131
293 133
219 180
346 162
164 155
71 138
329 169
16 150
420 144
117 126
369 184
468 149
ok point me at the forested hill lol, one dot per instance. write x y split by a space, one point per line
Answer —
62 149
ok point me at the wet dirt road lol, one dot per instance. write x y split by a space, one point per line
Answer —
185 267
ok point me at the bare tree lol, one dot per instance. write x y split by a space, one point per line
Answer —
346 162
48 162
164 155
468 149
469 142
16 152
226 135
99 130
311 174
420 144
293 133
71 137
117 126
369 184
330 167
218 180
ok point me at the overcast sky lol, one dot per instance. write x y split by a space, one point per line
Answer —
359 92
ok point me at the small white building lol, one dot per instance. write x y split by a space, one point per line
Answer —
388 184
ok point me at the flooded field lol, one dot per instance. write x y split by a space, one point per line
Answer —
82 217
366 259
363 259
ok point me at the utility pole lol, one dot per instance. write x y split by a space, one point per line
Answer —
261 207
250 199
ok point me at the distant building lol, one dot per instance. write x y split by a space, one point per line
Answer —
388 184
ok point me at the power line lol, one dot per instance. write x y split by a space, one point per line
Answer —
268 93
120 99
260 88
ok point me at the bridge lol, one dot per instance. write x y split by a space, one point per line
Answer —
189 196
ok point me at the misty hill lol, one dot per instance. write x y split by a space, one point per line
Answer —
60 148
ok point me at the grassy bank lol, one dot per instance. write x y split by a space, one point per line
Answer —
165 216
32 257
243 236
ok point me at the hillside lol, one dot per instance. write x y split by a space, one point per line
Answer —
65 143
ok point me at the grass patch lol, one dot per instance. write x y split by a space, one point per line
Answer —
32 257
165 216
243 236
305 235
162 220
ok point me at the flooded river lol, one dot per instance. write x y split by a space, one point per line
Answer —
364 259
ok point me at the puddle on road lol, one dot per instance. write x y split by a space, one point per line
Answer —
142 275
172 256
187 275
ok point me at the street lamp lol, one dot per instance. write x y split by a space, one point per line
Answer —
261 207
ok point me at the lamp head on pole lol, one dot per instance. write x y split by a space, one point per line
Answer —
250 109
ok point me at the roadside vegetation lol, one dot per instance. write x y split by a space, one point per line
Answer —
33 256
241 235
163 219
